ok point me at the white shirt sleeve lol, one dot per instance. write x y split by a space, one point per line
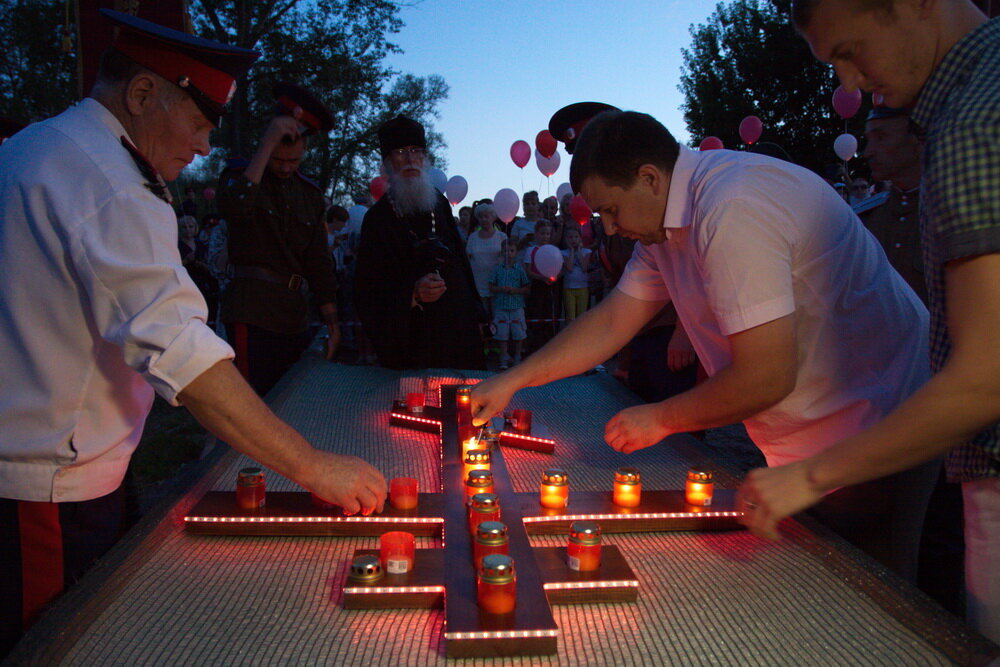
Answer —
641 278
140 295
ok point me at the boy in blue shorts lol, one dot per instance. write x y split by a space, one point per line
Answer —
509 283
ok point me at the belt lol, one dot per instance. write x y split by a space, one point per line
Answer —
293 282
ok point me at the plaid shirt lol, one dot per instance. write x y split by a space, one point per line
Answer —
508 276
959 114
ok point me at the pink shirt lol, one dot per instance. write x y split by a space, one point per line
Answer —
752 239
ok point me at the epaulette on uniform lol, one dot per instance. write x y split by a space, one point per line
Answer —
872 202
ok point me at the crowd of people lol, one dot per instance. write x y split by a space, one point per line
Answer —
856 358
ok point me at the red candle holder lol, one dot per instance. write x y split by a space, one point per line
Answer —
415 401
403 493
521 420
396 551
250 488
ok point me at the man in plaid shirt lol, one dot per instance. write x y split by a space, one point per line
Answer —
942 59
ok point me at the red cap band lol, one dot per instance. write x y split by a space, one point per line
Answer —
307 118
175 66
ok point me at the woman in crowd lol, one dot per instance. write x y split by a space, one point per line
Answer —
483 248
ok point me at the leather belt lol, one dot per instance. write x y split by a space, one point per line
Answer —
293 282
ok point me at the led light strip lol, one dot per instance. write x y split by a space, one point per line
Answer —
502 634
632 517
531 438
379 590
311 519
583 585
419 420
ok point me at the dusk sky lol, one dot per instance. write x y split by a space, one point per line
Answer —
511 64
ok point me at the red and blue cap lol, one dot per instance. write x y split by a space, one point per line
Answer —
205 69
567 123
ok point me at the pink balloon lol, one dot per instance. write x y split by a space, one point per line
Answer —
579 210
506 202
208 194
456 189
710 144
845 146
520 153
547 165
545 143
377 186
846 104
547 261
750 129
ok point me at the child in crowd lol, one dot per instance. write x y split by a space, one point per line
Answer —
509 283
544 299
576 263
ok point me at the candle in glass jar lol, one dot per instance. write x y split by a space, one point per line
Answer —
699 488
491 538
403 493
475 459
396 551
469 444
484 507
415 401
250 488
554 489
628 487
478 481
583 552
522 420
496 585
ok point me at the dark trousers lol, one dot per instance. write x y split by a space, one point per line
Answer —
263 356
44 549
883 517
648 374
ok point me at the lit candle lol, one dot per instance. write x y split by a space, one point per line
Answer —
628 487
491 538
699 488
463 413
484 507
478 481
250 488
366 568
496 585
469 444
396 551
475 459
554 490
583 552
403 493
415 401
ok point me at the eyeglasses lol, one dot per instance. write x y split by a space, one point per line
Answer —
415 151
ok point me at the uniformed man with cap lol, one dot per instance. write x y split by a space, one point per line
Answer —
277 245
893 154
97 312
567 123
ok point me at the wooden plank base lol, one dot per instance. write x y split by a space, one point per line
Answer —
292 513
538 439
659 511
423 587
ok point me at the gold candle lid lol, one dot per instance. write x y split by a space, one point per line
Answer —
477 456
485 502
627 476
480 478
464 390
248 476
554 477
366 567
491 533
699 475
585 532
497 569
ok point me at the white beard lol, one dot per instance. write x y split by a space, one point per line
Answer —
411 195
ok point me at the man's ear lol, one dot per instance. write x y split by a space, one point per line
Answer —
651 177
141 93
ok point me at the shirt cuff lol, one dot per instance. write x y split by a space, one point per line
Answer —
191 353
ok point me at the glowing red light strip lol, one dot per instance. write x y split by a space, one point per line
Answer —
419 420
532 438
632 517
502 634
579 585
380 590
311 519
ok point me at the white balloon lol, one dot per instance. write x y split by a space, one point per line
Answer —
547 261
563 190
438 179
506 202
547 165
845 146
456 189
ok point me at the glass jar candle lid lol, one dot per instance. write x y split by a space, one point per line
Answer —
699 475
492 532
485 501
627 476
366 567
554 477
585 532
497 569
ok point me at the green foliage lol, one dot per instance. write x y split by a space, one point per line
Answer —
747 59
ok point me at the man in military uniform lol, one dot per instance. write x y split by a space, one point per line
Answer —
277 246
893 154
97 313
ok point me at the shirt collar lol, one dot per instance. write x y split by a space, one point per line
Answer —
950 72
100 112
678 199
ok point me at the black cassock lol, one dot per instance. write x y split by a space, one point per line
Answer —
395 251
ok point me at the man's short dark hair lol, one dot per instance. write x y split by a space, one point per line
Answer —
116 68
802 10
616 143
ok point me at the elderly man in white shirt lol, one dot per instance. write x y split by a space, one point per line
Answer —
806 332
97 313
